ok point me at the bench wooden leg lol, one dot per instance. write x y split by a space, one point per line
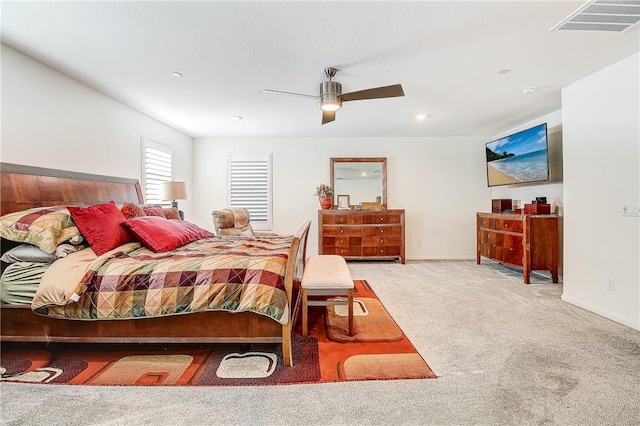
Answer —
350 301
305 308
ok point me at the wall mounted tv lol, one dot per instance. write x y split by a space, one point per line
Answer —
522 157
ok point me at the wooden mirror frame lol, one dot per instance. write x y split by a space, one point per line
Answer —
382 160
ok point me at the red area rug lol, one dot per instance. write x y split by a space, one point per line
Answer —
378 350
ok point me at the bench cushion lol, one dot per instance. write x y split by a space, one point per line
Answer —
326 272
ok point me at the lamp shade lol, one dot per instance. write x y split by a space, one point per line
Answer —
174 191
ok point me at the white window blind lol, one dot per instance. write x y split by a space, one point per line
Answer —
157 166
250 187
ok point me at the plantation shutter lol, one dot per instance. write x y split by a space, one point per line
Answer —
250 187
157 168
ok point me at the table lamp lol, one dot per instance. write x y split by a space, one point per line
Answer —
174 191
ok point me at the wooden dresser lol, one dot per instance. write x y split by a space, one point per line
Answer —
362 234
527 241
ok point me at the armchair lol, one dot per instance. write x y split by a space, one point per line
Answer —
235 221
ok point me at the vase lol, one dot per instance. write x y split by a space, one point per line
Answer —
326 202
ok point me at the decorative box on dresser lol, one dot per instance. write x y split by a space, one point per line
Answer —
362 234
526 241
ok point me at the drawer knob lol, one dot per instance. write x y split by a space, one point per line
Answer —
382 241
382 231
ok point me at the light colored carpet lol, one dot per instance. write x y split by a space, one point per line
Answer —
506 353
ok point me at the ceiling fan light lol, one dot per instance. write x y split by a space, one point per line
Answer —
331 105
330 92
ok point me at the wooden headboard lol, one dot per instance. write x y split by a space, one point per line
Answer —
25 187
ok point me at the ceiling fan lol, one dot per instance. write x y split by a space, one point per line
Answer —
331 96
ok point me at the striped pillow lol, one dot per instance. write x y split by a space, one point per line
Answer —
44 227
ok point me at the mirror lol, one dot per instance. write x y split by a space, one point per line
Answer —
363 180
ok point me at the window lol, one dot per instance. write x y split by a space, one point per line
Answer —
157 167
250 187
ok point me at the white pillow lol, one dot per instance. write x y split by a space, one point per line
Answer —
28 253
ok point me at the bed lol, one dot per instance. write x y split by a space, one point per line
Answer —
26 187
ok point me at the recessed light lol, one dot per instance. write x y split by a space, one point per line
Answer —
528 90
236 117
421 116
176 74
504 71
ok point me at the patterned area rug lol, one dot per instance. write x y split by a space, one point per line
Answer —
378 350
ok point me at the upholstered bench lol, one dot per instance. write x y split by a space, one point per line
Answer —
326 275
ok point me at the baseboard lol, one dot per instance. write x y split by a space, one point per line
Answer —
441 257
613 316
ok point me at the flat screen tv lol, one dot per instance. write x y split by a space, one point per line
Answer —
522 157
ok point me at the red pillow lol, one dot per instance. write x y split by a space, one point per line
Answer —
171 213
153 211
130 210
100 226
160 235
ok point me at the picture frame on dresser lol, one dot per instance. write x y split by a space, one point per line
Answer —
343 202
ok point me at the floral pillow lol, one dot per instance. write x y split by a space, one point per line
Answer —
44 227
171 213
130 210
153 211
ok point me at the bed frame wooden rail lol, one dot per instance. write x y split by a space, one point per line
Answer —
25 187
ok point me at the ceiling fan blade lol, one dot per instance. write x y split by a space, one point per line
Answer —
392 91
280 92
328 116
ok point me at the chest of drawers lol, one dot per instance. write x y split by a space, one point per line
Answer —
527 241
362 234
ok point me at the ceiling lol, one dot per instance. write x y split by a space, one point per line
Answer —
446 54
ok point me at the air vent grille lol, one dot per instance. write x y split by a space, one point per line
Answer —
603 15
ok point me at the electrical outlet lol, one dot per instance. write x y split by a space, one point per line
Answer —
611 284
631 210
419 242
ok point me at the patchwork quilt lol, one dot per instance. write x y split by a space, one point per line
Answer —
234 274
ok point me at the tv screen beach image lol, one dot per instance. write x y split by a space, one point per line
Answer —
518 158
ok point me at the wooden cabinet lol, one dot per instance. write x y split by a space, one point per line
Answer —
529 242
362 234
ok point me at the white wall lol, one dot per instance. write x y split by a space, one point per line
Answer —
440 182
601 140
51 120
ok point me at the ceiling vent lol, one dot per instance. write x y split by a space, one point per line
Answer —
603 15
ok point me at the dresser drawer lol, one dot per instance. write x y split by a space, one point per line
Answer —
380 231
381 251
382 218
384 240
341 230
512 249
348 251
348 241
342 219
487 223
509 225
